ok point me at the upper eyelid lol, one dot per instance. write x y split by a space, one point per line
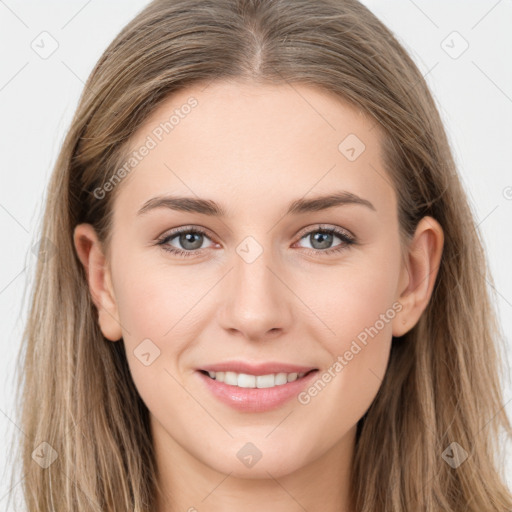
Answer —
325 227
337 230
184 229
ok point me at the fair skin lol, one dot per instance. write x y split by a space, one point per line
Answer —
253 149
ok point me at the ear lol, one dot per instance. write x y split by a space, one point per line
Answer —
90 252
418 274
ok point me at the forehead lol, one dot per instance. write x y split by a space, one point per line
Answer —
258 142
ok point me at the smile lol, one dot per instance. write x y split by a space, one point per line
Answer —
244 380
247 392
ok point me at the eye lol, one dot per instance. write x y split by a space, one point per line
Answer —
322 238
190 240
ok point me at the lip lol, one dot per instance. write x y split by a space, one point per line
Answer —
256 368
256 399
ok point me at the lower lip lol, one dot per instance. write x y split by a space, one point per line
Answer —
256 399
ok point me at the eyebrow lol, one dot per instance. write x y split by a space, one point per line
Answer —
209 207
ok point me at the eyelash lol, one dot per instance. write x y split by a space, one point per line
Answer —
346 239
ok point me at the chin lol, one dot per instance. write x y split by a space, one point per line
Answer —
271 464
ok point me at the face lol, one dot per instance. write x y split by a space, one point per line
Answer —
263 273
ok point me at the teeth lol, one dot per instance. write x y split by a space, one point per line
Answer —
246 381
243 380
231 378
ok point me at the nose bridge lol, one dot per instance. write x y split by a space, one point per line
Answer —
252 272
256 301
254 284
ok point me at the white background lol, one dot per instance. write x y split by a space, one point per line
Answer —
38 97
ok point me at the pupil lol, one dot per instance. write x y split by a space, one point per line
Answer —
188 238
324 240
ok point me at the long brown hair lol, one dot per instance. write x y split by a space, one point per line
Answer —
443 380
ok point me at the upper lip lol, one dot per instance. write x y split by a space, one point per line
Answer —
256 368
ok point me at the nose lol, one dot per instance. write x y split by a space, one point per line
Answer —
256 302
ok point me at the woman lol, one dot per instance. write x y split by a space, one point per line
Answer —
186 351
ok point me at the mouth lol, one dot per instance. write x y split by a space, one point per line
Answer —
250 388
247 380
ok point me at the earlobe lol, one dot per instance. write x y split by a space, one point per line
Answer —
90 252
419 274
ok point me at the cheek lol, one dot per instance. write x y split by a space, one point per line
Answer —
356 300
153 306
359 313
161 309
366 305
358 305
150 304
155 300
143 306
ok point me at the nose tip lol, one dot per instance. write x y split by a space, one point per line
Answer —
256 305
